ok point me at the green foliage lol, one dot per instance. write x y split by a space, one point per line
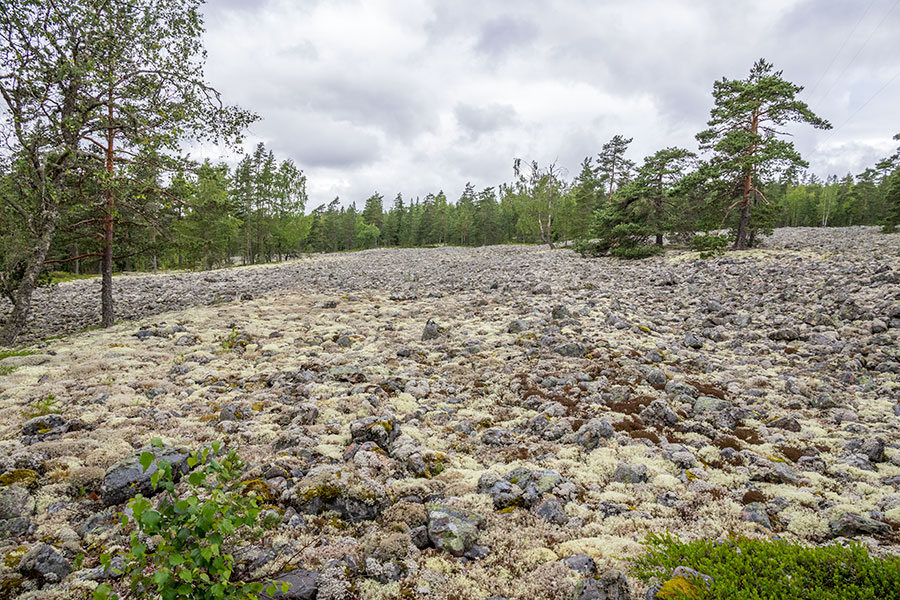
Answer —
709 245
43 406
769 570
192 533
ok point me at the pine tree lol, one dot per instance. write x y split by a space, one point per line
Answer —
744 135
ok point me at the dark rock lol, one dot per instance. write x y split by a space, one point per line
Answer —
658 413
497 436
331 487
517 326
127 478
505 494
559 312
16 509
611 586
382 430
44 563
692 340
657 377
626 473
786 423
431 331
786 334
302 585
551 510
542 288
872 448
851 525
419 537
590 434
755 512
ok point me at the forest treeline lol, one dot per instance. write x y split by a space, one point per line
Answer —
259 212
100 99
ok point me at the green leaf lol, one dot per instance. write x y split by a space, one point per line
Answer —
103 592
150 518
147 459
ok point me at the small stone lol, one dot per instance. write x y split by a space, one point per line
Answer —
452 530
692 340
786 423
517 326
755 512
551 510
302 585
43 425
592 432
611 586
127 478
580 563
497 436
382 430
431 331
17 507
559 312
657 377
626 473
878 326
542 288
505 494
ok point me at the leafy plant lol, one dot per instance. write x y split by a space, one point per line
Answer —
761 569
189 558
43 406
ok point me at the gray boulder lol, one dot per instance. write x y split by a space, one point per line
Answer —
43 563
16 509
851 525
302 585
453 530
611 586
126 479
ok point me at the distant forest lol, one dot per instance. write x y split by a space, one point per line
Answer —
254 213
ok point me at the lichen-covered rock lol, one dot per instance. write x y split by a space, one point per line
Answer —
17 507
382 430
590 435
44 563
453 530
755 512
127 478
626 473
612 585
551 510
432 331
338 489
852 525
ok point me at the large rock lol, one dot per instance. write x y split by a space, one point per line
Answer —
592 432
338 489
302 585
453 530
16 509
127 478
851 525
382 430
43 563
611 586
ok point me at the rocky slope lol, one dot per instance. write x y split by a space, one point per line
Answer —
469 423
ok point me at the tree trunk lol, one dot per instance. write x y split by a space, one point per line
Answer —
15 324
77 261
107 309
740 243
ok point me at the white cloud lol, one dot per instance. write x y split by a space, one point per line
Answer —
420 95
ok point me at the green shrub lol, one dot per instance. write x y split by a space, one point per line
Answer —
709 245
770 570
192 534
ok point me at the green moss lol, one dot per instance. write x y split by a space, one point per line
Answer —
324 492
24 477
12 559
10 588
742 569
8 353
260 489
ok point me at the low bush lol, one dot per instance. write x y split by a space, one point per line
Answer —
709 245
745 569
180 548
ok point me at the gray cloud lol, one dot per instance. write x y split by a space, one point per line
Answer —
432 94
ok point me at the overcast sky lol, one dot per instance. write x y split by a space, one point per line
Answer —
415 96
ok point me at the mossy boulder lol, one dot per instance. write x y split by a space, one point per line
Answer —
453 530
23 477
338 489
382 430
